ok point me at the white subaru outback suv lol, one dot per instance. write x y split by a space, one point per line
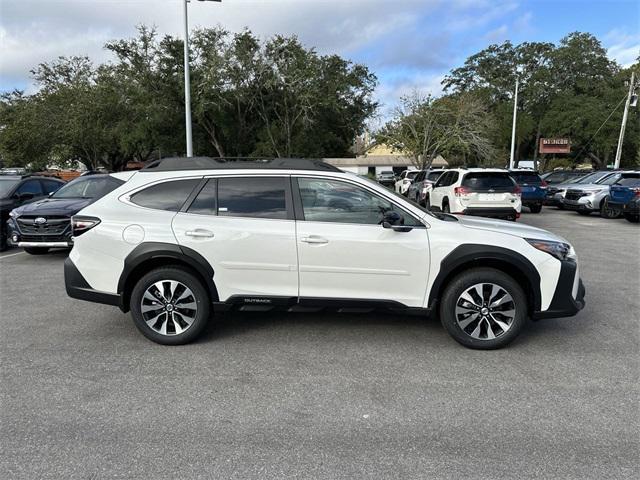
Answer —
185 237
486 192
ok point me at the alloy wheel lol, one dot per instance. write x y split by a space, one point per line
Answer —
168 307
485 311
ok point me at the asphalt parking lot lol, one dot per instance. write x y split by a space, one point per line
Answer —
85 396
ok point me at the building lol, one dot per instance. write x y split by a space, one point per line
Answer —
380 158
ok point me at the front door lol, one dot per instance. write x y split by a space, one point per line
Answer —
244 227
345 253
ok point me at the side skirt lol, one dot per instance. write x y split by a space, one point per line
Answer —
314 304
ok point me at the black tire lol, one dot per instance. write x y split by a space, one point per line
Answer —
3 241
199 296
427 202
560 206
460 285
630 217
36 250
606 212
535 208
584 213
445 206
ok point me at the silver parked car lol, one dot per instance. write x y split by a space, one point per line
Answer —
556 193
589 198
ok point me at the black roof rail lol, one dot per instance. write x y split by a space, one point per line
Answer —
170 164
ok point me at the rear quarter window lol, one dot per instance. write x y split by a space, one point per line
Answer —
488 181
168 196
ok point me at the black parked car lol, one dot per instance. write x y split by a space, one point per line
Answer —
46 224
16 190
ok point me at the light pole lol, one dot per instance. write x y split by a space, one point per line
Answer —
187 79
513 128
628 103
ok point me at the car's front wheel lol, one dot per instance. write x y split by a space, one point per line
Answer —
170 306
633 218
483 308
537 208
606 211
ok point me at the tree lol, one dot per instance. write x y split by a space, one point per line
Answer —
424 127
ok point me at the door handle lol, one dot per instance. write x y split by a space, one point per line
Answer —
314 239
199 233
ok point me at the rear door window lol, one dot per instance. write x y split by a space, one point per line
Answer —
629 181
433 176
485 181
30 186
256 197
166 195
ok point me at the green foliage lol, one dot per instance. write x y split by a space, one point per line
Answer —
565 90
274 98
454 126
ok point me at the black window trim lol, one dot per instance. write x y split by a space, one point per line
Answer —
288 196
299 211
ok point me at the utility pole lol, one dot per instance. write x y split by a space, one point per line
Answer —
513 128
624 121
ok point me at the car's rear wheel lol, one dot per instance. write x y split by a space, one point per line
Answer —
483 308
445 207
535 208
606 212
3 240
632 218
36 250
170 306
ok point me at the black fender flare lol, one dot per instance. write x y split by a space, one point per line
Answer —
474 255
156 251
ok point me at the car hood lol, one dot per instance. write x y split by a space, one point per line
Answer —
509 228
54 206
590 187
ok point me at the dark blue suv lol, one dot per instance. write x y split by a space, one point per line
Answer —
533 188
624 197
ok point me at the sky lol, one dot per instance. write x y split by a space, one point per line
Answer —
409 44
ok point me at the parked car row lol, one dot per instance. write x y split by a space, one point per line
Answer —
500 193
611 193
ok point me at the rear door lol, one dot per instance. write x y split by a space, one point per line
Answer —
488 190
345 253
244 227
438 192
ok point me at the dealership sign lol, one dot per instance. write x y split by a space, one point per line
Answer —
555 145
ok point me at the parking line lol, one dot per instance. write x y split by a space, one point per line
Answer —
12 255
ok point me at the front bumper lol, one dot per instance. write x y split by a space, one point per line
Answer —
78 287
506 213
564 303
585 204
18 238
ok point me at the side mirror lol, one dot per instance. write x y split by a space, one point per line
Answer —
394 221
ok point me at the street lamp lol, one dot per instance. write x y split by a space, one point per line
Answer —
513 127
187 79
632 101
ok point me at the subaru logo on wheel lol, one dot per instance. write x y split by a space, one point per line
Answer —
40 220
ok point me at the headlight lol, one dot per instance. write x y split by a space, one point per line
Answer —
559 250
13 214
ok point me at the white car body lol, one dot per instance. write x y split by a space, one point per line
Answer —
404 181
262 261
448 194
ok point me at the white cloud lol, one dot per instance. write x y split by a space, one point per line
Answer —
623 47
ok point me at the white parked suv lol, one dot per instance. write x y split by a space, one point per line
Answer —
185 237
486 192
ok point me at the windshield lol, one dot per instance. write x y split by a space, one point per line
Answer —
593 177
433 176
616 178
488 181
412 174
88 188
6 185
526 177
629 181
440 216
